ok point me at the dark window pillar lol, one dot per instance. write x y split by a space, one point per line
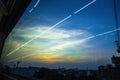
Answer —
0 16
2 40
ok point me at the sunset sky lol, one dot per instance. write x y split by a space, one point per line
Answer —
61 37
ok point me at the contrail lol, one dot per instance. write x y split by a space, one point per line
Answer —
34 6
84 7
61 21
91 37
36 3
101 34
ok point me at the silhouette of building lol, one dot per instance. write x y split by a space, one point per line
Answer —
110 72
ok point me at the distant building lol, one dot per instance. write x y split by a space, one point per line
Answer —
110 72
26 72
116 61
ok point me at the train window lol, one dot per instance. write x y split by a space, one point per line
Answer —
63 33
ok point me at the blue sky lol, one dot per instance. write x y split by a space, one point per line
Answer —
63 45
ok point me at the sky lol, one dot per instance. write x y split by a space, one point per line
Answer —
63 33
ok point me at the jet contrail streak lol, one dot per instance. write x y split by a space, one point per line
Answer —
84 7
36 3
101 34
34 6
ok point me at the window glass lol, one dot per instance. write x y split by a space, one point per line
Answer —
67 33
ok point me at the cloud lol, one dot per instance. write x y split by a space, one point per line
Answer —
52 34
48 46
67 44
57 58
56 34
